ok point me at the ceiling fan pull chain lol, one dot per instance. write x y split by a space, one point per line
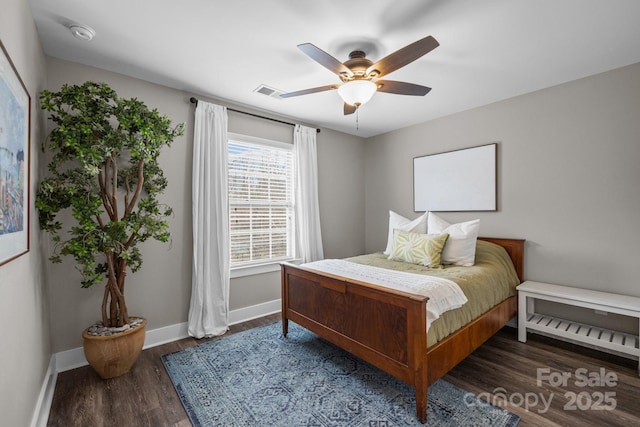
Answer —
357 118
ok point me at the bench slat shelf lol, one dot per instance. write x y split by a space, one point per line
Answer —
614 340
620 342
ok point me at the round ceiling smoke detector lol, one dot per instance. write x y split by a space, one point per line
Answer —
82 31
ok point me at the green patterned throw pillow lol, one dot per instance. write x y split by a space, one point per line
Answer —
423 249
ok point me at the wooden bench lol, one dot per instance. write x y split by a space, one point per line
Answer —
619 342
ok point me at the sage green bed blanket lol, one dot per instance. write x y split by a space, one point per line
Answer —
491 280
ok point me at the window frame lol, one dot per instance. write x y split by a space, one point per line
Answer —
272 265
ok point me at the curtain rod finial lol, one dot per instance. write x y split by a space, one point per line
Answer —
193 100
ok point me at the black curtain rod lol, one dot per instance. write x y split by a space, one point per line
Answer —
194 100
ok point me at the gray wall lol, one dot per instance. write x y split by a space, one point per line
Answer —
161 290
25 348
568 177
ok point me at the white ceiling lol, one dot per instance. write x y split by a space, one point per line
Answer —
489 50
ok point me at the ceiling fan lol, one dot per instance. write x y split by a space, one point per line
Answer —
360 76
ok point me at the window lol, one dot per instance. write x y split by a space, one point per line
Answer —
261 201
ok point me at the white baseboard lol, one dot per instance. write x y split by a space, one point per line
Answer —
43 405
74 358
253 312
166 334
69 359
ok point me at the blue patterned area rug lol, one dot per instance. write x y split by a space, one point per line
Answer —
259 378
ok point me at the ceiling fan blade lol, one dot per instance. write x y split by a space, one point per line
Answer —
349 109
308 91
324 59
404 56
402 88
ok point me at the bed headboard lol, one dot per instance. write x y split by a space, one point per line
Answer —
515 249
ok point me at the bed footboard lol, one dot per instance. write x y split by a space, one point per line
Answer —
383 327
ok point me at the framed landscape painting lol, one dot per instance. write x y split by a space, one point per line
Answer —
15 116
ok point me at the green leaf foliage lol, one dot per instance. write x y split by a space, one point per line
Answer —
104 171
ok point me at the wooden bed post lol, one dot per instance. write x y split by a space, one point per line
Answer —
417 325
421 404
285 302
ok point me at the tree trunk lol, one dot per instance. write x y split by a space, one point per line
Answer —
113 298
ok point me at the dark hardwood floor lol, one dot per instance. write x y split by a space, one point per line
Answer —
504 371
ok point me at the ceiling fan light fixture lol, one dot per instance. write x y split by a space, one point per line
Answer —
357 92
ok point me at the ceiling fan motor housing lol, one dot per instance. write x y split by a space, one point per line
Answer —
358 64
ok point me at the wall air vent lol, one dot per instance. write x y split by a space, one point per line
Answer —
269 91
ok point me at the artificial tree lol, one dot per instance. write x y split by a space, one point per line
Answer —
104 170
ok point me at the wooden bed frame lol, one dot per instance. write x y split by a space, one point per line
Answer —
385 327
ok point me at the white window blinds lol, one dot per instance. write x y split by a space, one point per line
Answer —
261 209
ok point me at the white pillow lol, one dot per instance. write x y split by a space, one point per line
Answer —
460 248
398 222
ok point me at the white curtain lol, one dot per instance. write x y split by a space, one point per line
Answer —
209 309
307 206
